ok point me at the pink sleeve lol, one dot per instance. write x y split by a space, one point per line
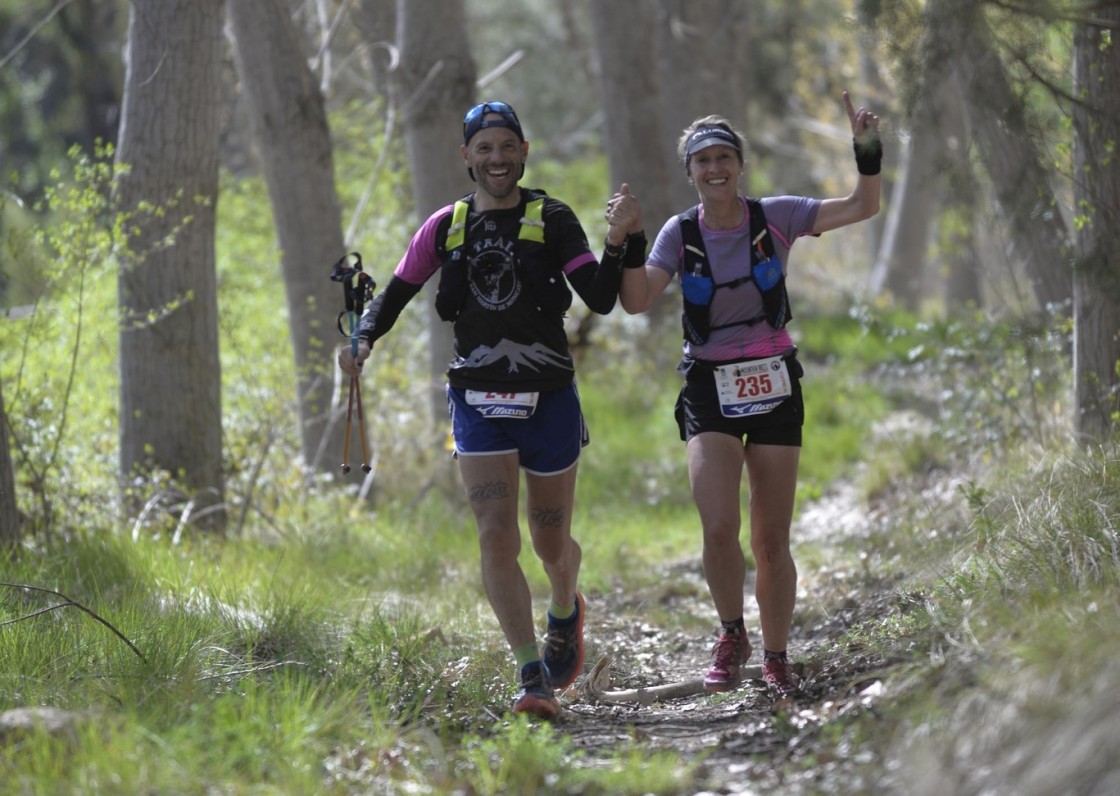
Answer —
421 258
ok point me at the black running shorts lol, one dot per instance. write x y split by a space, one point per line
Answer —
698 410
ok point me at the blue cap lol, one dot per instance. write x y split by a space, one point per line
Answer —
476 120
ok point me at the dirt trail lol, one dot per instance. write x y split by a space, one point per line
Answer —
747 746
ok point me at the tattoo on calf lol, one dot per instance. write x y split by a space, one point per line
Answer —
491 490
548 517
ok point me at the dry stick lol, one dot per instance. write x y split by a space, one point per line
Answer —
68 602
598 680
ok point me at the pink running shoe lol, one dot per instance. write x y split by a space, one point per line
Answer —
730 652
778 675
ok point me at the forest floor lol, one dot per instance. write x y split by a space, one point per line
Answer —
741 741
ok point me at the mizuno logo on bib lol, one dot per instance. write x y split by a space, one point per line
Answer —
505 405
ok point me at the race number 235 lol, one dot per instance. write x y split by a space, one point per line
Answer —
756 385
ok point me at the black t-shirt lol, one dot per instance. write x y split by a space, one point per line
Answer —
509 295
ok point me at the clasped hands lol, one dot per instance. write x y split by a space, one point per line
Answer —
623 215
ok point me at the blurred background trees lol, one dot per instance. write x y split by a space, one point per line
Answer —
1000 132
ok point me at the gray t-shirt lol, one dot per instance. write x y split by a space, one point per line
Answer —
729 254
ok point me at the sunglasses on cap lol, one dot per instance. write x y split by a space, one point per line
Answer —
476 120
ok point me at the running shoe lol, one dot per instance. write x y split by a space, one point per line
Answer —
563 647
778 675
729 653
536 698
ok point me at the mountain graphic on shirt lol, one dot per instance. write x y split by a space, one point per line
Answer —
531 356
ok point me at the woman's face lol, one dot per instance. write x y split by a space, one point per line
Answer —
715 170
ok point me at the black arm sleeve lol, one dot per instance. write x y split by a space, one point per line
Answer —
385 308
598 283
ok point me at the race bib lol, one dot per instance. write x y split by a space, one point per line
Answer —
752 388
506 405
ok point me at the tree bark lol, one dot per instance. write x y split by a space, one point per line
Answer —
693 86
631 94
292 133
1013 160
640 147
170 408
377 21
436 84
957 240
900 264
1096 292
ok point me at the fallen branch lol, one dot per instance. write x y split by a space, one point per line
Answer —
596 686
67 602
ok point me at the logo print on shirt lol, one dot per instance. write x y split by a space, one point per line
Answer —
493 279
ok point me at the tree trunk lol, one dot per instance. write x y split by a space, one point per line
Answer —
631 94
1013 160
291 130
901 260
957 241
691 86
9 510
170 408
640 150
377 21
1096 292
436 87
877 92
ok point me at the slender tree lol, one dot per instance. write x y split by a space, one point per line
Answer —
899 268
900 264
691 86
293 137
1096 294
640 147
435 87
957 242
170 402
630 90
377 21
1011 155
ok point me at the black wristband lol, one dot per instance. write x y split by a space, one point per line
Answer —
869 156
613 251
635 254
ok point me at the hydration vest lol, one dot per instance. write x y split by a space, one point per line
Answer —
550 290
698 287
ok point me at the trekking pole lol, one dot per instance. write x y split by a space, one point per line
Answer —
357 288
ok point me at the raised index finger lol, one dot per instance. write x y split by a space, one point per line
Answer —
849 107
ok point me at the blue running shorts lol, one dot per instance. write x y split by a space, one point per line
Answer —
547 443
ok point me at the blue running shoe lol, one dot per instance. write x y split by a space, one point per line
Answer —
563 647
536 698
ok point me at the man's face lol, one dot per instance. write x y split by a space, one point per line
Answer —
496 156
